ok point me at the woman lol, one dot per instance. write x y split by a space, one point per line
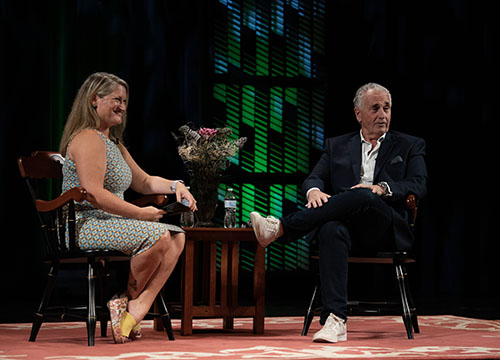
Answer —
97 160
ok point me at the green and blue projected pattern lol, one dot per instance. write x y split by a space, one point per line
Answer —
268 86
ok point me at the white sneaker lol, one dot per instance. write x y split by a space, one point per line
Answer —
334 330
266 229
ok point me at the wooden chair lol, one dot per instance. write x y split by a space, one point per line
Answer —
43 171
398 260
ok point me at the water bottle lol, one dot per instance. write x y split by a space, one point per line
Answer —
187 218
230 209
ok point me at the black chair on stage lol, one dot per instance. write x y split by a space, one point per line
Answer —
398 260
42 171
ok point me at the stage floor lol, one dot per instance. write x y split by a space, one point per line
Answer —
384 337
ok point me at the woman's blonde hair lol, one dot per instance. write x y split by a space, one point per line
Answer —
84 116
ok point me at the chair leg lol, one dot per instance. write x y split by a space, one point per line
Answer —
91 313
411 304
104 276
310 312
165 317
400 276
38 318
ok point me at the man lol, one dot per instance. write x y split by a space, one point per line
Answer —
355 192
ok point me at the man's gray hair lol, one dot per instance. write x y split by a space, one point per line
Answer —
360 94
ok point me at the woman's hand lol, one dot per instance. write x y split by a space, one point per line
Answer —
150 213
181 192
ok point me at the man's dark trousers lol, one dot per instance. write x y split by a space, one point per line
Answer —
354 214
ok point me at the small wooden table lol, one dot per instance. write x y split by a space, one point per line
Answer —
228 307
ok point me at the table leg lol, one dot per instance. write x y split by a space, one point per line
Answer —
235 265
212 276
225 282
187 290
157 324
231 279
259 289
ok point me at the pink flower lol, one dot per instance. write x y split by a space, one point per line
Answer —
207 132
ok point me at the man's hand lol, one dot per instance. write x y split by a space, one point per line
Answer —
316 198
376 189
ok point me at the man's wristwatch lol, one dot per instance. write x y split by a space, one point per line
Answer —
174 185
385 189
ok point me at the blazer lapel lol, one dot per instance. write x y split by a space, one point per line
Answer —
385 150
354 146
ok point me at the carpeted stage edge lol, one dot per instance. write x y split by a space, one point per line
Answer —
383 337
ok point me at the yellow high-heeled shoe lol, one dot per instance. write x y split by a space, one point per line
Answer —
118 309
136 332
127 323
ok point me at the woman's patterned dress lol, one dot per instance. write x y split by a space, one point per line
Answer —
97 229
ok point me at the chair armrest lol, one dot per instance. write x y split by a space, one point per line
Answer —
77 194
411 206
154 199
411 202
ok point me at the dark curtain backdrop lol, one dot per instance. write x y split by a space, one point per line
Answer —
436 58
48 50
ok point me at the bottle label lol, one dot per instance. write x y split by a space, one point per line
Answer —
230 204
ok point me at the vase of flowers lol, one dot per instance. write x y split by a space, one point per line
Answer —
206 153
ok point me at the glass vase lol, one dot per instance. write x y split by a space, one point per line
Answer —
206 194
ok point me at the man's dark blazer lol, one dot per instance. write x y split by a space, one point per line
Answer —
400 163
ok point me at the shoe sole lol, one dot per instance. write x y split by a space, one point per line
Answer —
254 216
324 340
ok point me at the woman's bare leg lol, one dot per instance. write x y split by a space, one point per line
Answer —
149 273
